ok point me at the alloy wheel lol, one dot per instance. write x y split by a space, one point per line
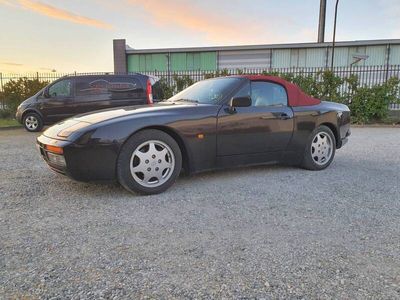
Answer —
321 148
31 122
152 163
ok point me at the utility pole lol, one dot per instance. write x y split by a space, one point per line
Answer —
334 34
321 23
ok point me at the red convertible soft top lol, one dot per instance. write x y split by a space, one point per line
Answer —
296 96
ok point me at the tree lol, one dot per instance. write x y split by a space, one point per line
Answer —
16 91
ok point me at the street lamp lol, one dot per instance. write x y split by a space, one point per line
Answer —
334 34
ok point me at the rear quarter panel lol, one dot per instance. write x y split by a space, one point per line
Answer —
307 118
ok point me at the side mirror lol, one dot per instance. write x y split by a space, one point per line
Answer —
239 102
46 93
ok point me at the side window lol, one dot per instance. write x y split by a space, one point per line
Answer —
88 86
267 94
244 91
112 87
61 88
125 88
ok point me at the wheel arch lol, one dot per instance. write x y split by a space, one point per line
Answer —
335 131
31 110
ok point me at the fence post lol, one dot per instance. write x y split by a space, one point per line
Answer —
387 62
1 90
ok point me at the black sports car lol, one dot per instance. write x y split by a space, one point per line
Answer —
215 123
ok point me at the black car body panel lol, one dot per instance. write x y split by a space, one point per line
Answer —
210 135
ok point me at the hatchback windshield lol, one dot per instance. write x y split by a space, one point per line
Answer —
210 91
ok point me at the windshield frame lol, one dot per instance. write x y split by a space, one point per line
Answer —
228 94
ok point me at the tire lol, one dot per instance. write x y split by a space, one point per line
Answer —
320 149
32 122
149 162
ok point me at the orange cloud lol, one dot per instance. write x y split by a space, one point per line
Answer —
60 14
216 28
11 64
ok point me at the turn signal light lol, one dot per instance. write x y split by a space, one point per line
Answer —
54 149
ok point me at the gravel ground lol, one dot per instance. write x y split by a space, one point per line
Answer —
260 232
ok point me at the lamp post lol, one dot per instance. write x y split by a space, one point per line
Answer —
334 34
321 22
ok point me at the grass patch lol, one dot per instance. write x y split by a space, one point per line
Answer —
9 123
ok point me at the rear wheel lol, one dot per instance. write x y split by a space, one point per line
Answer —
320 149
149 162
32 122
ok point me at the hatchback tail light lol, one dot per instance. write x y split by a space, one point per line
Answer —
149 92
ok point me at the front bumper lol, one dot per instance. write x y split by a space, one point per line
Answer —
344 141
41 143
82 162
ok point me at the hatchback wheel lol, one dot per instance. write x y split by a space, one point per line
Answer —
320 149
149 162
33 122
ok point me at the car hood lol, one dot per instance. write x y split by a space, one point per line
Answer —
31 99
64 129
28 101
112 113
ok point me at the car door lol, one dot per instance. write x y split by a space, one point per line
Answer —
265 126
57 102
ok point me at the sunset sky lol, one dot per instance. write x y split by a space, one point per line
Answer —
77 35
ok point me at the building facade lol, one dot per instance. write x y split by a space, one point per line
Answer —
274 56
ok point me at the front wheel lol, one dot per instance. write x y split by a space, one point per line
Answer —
32 122
149 162
320 150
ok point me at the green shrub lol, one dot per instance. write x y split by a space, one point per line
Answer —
371 104
168 90
178 83
182 82
6 114
16 91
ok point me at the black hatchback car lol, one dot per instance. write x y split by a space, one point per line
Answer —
72 95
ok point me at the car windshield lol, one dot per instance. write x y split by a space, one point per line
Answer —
210 91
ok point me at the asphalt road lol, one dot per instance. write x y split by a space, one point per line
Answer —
263 232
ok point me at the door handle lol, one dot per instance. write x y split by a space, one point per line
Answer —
284 116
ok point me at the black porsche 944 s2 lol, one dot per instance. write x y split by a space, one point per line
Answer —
215 123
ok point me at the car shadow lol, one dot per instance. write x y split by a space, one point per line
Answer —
97 189
346 166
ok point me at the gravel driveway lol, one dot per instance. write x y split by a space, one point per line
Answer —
263 232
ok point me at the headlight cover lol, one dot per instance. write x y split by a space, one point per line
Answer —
69 130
